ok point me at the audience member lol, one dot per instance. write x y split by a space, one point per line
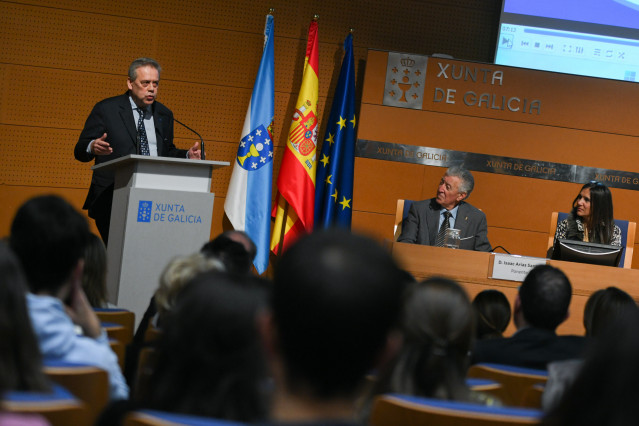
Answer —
94 273
603 308
541 305
591 217
428 220
179 271
492 314
235 249
438 332
607 304
49 237
209 357
334 311
606 390
20 358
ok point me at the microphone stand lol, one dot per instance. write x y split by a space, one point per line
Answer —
202 155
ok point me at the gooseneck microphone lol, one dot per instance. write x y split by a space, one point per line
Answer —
202 155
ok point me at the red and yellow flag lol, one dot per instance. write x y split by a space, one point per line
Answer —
295 200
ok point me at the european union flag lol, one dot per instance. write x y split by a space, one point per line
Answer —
334 179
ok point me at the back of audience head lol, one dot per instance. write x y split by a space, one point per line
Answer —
94 273
176 274
603 306
49 237
234 248
20 359
209 356
492 314
606 389
438 329
543 299
336 297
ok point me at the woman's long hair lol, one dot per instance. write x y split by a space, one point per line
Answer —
602 222
94 272
20 358
438 328
209 358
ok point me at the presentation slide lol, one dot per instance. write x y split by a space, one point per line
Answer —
598 38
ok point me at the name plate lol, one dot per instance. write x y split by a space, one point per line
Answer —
513 267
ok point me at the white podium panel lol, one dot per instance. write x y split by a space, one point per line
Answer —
162 208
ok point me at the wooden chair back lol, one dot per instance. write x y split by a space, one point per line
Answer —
392 410
59 407
516 382
88 383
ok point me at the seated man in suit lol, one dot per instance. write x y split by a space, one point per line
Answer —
428 220
541 305
131 123
327 330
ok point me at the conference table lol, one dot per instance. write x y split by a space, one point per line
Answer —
474 271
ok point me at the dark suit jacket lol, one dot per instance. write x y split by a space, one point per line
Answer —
422 225
114 117
530 347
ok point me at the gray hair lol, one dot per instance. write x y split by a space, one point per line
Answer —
467 181
142 62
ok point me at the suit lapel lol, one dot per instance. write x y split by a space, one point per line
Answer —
126 114
432 219
158 120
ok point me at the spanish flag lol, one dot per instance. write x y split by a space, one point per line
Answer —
294 207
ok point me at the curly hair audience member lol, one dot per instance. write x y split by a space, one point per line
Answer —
492 314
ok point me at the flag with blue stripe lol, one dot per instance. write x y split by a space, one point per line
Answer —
248 199
335 168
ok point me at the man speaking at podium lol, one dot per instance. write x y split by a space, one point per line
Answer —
131 123
428 220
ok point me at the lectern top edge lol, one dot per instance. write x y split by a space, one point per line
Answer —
159 160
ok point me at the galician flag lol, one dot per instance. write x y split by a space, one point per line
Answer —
248 200
294 209
334 183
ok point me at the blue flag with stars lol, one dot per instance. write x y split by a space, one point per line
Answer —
334 178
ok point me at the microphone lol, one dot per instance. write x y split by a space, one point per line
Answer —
202 155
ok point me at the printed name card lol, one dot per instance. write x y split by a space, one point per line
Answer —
513 267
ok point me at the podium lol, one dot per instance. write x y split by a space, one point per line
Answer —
162 208
472 269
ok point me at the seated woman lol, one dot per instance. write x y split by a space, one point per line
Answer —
438 332
591 218
20 358
492 314
209 358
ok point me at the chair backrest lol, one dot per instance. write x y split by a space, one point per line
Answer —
88 383
393 409
159 418
122 317
516 381
628 230
59 406
403 206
